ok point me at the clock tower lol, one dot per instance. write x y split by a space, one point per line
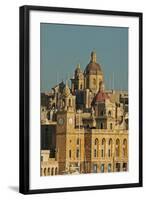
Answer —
64 131
65 128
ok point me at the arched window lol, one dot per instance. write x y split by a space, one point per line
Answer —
117 147
96 142
103 141
45 172
96 147
52 171
110 143
124 148
103 147
48 171
109 113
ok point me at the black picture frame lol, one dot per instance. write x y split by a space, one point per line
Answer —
24 99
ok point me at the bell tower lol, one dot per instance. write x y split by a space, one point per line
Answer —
78 80
93 74
65 127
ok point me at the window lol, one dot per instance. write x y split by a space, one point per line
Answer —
102 153
78 141
109 167
103 148
110 142
111 126
124 166
101 125
103 141
109 113
117 167
124 148
69 102
48 171
77 153
101 112
94 168
41 158
109 153
117 148
69 153
96 147
110 147
95 153
96 141
102 168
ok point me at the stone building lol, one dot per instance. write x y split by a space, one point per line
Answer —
91 124
49 166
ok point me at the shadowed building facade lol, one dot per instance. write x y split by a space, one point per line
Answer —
91 124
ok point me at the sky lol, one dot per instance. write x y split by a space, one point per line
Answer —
62 47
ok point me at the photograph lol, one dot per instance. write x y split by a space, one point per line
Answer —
80 99
84 99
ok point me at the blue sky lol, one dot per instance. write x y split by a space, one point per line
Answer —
64 46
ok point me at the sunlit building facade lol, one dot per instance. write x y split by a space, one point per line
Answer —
88 125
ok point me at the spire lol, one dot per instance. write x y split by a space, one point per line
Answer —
78 66
78 70
66 90
93 56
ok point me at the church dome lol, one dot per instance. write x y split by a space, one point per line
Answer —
101 96
93 67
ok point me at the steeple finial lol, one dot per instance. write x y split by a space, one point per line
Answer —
78 66
93 56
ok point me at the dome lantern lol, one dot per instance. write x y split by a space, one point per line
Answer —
93 56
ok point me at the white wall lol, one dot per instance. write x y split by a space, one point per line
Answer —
9 89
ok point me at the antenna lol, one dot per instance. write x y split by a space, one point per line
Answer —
57 77
113 81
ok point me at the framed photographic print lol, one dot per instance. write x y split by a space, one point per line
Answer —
80 99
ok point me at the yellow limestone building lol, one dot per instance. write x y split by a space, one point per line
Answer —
91 123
